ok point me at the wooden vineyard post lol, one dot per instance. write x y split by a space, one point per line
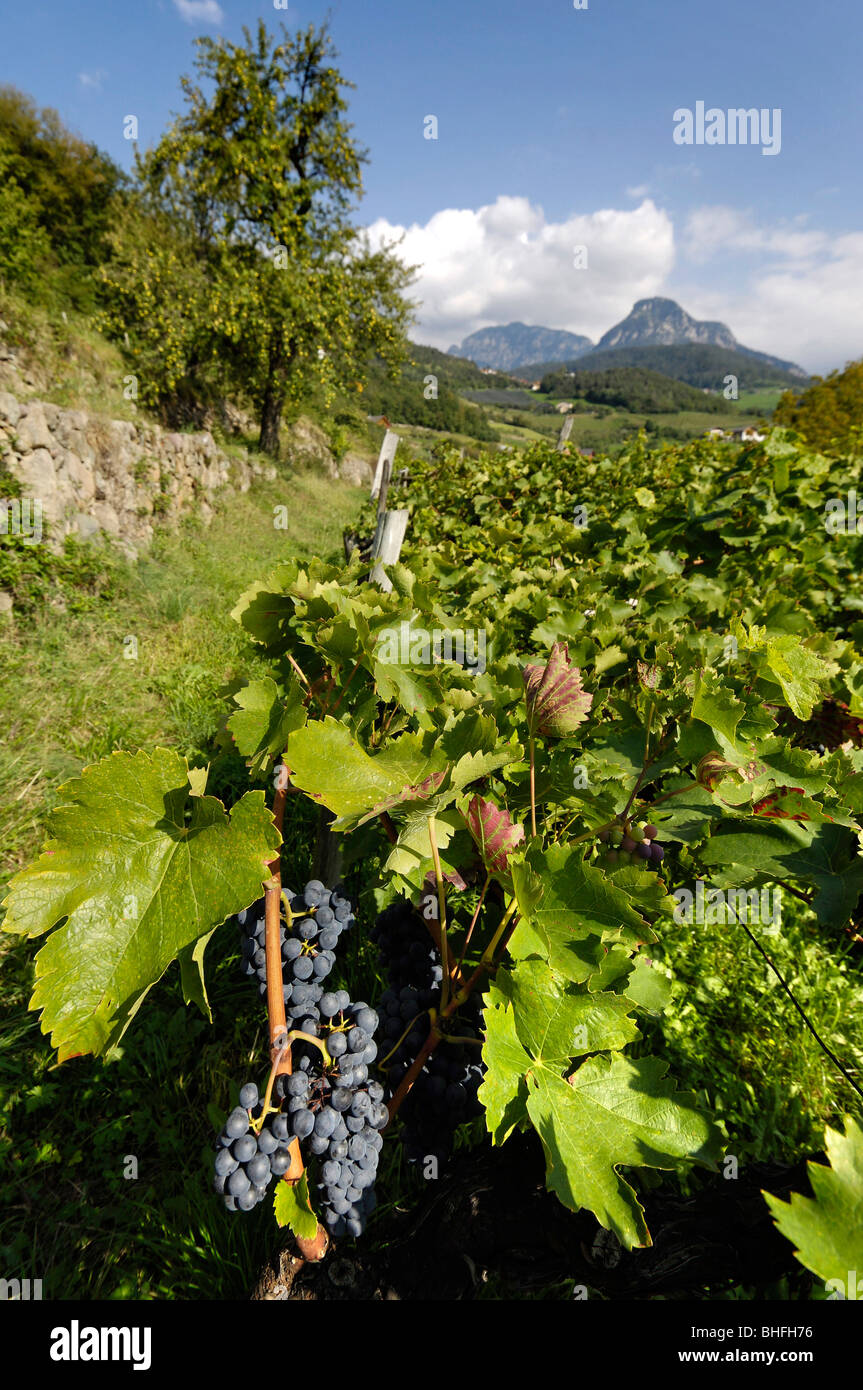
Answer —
384 463
388 543
391 526
565 432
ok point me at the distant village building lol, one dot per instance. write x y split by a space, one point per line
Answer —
563 407
747 434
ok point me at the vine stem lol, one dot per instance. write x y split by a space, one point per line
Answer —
457 970
489 951
824 1048
532 786
441 907
280 1049
344 687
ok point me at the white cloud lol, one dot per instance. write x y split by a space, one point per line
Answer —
92 79
641 190
200 11
506 262
787 290
710 231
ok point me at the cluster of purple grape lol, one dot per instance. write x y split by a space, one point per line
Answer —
631 844
308 949
338 1113
249 1156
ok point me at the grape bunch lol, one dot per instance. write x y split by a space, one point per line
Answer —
247 1160
339 1113
444 1093
631 844
308 949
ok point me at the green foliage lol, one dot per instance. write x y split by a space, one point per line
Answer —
631 388
78 577
829 412
69 184
24 244
139 813
827 1230
700 364
404 400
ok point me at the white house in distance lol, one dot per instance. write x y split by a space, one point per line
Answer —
747 434
563 407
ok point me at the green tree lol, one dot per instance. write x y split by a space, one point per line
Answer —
70 184
261 171
829 414
23 243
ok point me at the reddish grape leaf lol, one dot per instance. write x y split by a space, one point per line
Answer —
494 832
556 701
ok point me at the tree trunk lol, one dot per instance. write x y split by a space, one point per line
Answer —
271 417
273 402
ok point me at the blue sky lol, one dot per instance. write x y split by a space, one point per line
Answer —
555 130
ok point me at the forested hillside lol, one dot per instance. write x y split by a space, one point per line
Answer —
698 364
631 388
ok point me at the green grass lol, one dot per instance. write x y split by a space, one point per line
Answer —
733 1036
69 693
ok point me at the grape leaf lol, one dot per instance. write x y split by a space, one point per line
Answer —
264 720
717 707
504 1088
493 831
648 986
293 1208
578 902
827 1229
327 762
139 870
614 1111
556 701
554 1022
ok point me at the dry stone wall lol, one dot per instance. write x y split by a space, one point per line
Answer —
87 475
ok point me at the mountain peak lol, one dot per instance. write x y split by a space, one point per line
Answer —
660 322
512 345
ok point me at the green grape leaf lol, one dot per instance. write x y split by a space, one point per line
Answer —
827 1229
717 707
613 1111
264 720
578 902
648 986
504 1088
293 1208
138 871
554 1022
327 762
